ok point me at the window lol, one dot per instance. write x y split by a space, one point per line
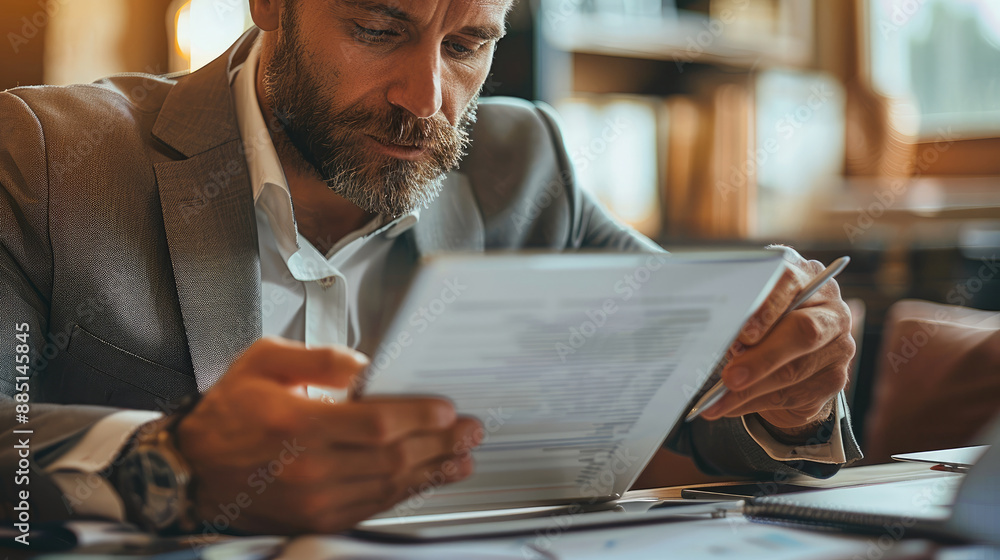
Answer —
204 29
944 56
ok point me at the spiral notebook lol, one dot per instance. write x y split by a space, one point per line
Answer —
913 505
951 506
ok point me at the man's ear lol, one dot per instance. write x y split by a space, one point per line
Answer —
266 14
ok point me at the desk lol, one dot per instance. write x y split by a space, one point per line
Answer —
850 476
717 539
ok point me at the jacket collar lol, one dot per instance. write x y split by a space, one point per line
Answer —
198 114
208 217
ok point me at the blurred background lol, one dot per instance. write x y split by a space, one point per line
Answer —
868 128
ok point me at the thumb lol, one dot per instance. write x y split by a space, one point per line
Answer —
291 363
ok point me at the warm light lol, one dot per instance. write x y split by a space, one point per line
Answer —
214 26
182 30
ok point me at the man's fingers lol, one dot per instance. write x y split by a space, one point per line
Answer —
291 363
332 504
797 334
385 421
351 463
785 376
316 424
802 401
423 481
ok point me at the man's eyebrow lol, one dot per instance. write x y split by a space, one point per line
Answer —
484 32
379 8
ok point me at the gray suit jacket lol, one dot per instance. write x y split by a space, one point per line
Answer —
128 243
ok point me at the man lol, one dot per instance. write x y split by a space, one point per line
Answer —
155 228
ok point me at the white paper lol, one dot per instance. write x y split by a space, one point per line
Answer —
577 365
345 548
717 539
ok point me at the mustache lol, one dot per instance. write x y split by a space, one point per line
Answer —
398 126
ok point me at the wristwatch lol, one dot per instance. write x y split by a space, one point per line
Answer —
153 478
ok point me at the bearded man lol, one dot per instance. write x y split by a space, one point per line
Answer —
244 233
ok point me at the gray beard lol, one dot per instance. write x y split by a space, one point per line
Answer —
327 144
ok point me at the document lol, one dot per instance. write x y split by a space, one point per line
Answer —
717 539
578 365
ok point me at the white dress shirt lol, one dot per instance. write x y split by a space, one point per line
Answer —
305 295
309 297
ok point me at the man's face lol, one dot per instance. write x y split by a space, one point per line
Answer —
378 95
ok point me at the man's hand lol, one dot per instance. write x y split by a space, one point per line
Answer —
789 370
310 466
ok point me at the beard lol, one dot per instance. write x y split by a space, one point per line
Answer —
332 141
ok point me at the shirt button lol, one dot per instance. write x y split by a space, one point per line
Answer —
327 282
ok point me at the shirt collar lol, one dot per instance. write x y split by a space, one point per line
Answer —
262 159
267 178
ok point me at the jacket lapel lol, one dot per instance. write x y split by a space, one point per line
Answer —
453 222
208 215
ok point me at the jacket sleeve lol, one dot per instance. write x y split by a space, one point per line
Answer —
723 446
31 433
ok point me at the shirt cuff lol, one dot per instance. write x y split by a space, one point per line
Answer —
831 452
77 471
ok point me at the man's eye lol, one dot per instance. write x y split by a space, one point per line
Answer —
373 35
461 51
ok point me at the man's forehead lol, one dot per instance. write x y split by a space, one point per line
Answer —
420 9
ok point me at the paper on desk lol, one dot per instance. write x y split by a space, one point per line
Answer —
244 548
577 368
345 548
717 539
89 533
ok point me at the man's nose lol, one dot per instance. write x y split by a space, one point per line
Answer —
417 87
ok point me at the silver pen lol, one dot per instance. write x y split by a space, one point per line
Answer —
719 390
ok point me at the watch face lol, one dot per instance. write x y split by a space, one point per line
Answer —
151 483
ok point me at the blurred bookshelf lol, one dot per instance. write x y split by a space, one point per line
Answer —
747 33
747 129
